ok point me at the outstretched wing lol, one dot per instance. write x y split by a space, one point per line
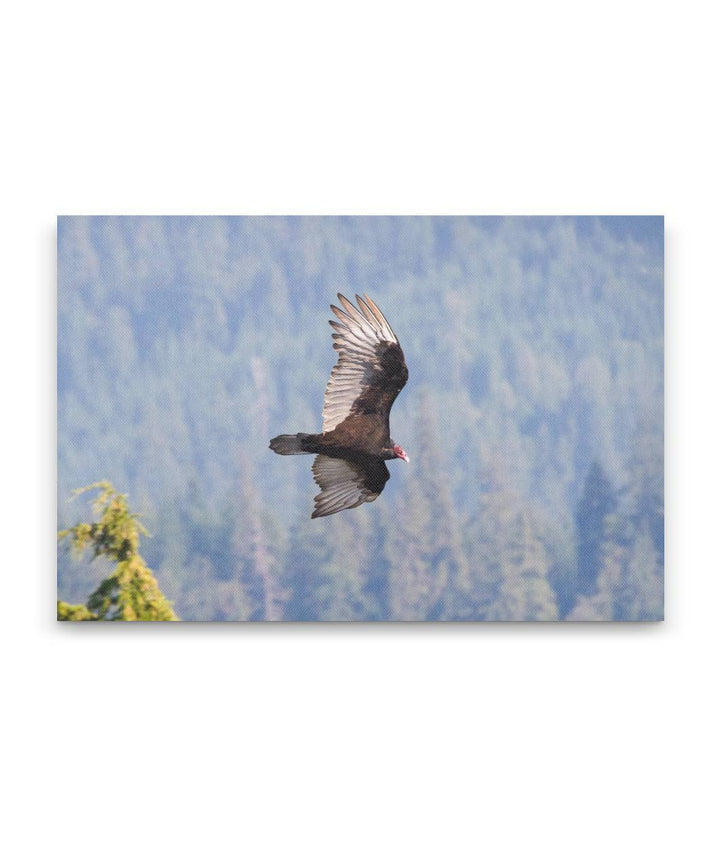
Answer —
371 369
346 484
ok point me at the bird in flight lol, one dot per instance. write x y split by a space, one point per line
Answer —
355 441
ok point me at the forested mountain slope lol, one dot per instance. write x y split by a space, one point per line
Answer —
532 417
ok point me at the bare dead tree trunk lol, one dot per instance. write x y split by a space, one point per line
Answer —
257 549
263 563
262 396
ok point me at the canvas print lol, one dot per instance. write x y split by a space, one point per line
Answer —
476 435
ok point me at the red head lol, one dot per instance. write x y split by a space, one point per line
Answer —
400 453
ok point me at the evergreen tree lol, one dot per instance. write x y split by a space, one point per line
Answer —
629 586
74 612
415 588
376 567
641 595
525 593
643 495
598 500
601 605
562 560
447 557
131 592
329 567
308 553
509 563
487 534
258 551
429 576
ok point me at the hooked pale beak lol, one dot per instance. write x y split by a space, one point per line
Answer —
399 452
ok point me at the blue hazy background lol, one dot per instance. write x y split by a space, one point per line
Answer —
533 416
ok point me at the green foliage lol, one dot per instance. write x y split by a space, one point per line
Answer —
74 612
130 592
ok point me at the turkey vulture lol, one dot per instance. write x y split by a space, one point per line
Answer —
355 441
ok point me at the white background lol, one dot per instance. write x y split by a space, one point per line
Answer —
359 739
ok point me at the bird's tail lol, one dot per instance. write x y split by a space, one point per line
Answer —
292 444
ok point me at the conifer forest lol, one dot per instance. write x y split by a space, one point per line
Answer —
533 414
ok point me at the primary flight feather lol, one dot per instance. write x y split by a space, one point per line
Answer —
355 441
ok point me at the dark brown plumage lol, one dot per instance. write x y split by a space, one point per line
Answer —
355 441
